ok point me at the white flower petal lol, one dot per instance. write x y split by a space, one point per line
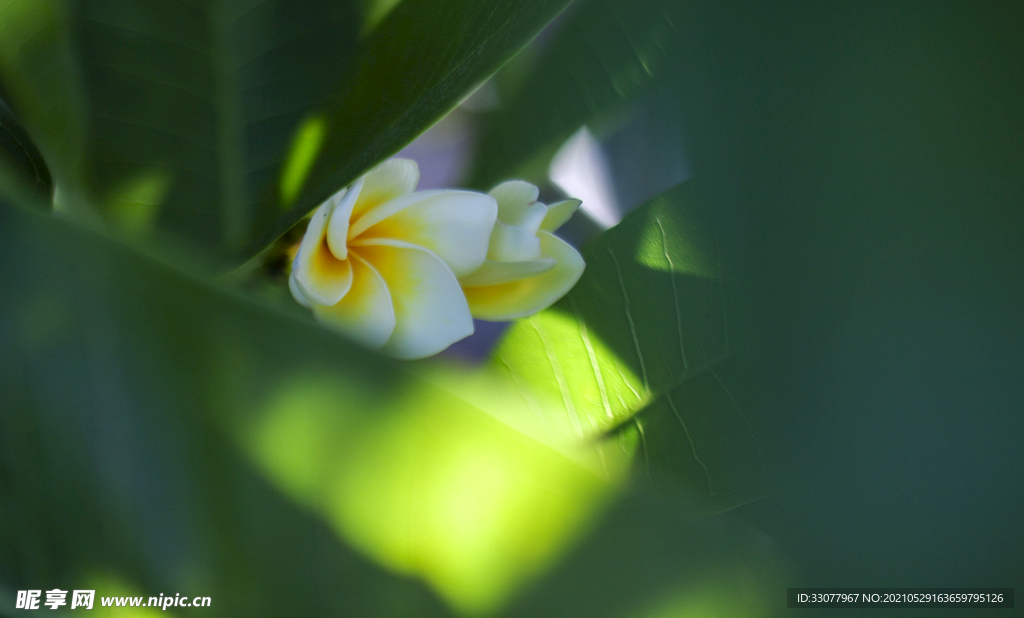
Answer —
518 205
315 230
297 294
321 277
524 297
392 178
430 310
493 273
532 217
514 200
337 227
454 225
558 213
327 280
512 244
382 211
366 313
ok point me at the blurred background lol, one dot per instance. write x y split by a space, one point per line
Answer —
861 170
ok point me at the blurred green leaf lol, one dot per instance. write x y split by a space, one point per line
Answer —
692 567
40 79
604 55
145 413
209 95
646 329
122 381
206 96
21 157
143 409
415 67
213 102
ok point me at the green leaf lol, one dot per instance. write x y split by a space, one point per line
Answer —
196 103
415 67
19 156
690 566
228 121
41 81
208 97
162 432
606 54
646 329
119 376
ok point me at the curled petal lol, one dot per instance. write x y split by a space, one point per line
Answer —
366 313
493 273
297 294
392 178
516 199
517 299
430 310
513 244
558 213
321 277
316 229
532 217
454 225
337 227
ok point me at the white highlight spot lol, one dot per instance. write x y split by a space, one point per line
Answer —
581 169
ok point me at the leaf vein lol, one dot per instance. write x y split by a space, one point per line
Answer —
593 358
675 292
556 368
693 448
629 318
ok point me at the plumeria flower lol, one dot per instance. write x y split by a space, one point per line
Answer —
380 263
527 267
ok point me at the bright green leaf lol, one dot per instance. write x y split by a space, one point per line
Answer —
647 328
309 138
